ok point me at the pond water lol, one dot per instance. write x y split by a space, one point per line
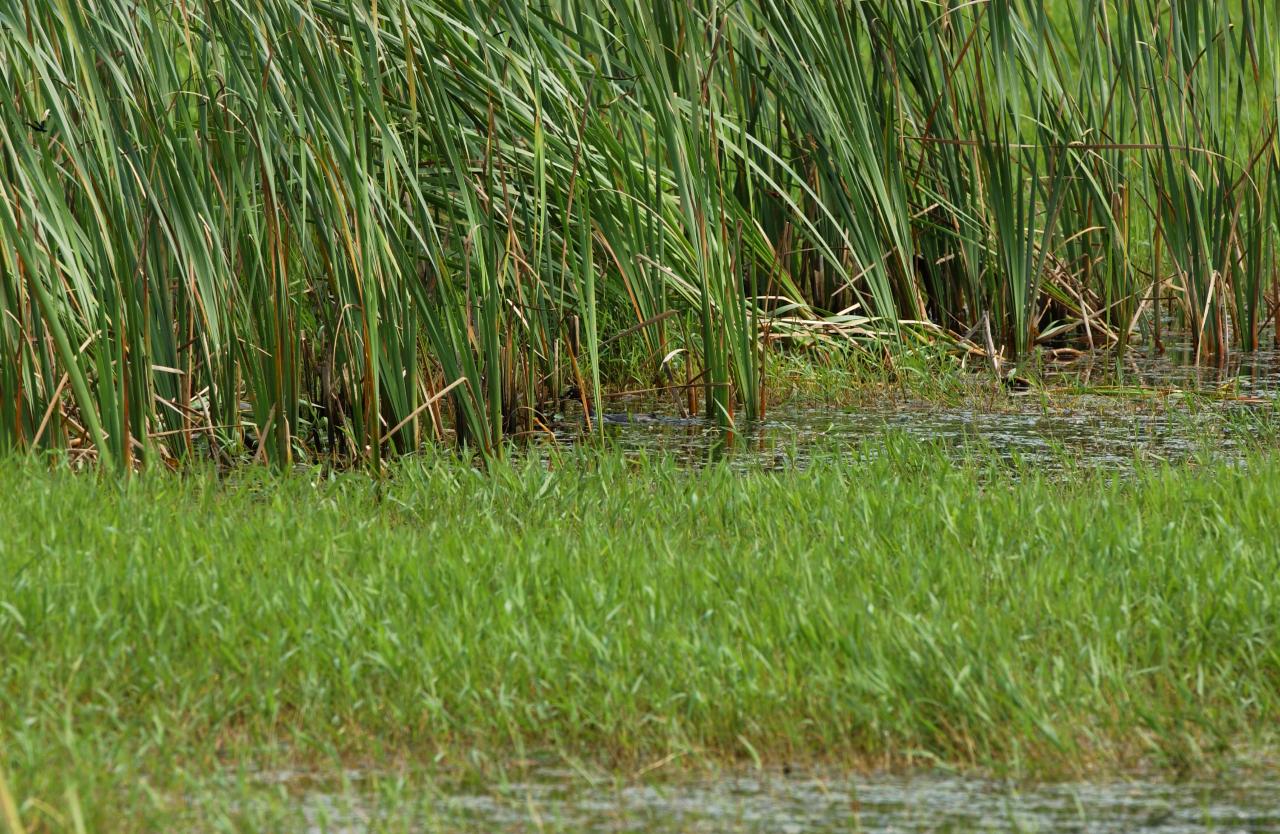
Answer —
813 804
1251 373
1094 412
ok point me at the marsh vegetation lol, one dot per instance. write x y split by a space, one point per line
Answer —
862 305
296 228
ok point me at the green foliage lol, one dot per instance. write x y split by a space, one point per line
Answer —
892 606
286 227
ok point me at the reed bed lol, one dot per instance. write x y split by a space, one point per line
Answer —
282 229
889 610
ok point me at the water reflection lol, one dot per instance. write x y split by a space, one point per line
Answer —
884 804
1099 410
1254 373
817 804
1085 435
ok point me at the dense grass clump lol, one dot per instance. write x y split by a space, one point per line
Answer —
305 226
902 609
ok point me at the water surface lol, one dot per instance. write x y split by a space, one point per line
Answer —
777 804
1098 411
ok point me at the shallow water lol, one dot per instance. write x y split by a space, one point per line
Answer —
1078 433
1254 373
1050 439
1097 411
812 804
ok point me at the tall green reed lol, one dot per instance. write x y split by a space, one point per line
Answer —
287 228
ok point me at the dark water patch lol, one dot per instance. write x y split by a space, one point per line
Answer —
1099 410
1084 433
1255 373
775 804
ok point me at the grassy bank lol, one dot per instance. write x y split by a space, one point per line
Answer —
895 610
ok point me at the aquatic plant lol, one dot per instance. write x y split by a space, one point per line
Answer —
290 227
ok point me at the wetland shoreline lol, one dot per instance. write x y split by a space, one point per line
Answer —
909 606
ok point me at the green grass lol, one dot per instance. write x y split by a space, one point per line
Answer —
173 631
